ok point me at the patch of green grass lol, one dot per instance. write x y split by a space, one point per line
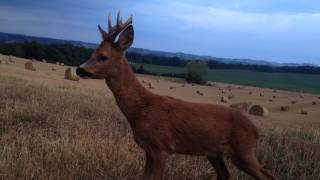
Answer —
285 81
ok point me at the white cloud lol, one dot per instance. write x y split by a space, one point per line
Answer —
195 16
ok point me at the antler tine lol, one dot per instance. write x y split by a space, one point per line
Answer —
118 27
103 33
118 20
109 23
128 22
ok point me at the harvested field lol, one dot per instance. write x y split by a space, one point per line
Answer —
52 127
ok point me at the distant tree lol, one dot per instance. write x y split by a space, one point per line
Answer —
197 72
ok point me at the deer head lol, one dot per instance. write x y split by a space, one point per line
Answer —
105 60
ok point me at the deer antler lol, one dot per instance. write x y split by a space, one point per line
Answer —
114 30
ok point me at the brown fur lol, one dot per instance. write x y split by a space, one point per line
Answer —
164 125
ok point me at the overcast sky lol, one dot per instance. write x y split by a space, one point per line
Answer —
275 30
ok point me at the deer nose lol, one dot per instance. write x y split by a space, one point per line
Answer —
83 73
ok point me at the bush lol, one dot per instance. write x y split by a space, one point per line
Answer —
197 72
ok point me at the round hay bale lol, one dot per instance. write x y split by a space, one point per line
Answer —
224 99
314 103
71 75
11 59
230 96
293 102
242 106
54 69
285 108
304 112
274 96
258 110
150 85
250 93
29 66
171 87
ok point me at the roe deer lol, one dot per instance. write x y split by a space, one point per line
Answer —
164 125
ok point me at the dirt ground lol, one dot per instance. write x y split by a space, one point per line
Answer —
174 87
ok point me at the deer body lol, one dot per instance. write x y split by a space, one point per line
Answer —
164 125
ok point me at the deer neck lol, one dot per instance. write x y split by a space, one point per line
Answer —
130 95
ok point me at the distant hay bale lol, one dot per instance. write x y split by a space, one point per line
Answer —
293 102
242 106
314 103
261 94
171 87
258 110
250 93
150 85
223 99
274 96
11 59
270 100
71 75
304 112
199 92
54 69
230 96
29 66
285 108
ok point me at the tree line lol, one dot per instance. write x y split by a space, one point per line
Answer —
76 55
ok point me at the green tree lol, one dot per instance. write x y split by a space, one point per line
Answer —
197 72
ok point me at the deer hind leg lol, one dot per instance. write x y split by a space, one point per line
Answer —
220 167
249 164
154 166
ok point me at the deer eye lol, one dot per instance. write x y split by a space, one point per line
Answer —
102 58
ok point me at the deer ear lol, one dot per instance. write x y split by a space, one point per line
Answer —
126 38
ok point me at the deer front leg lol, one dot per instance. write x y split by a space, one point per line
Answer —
154 167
